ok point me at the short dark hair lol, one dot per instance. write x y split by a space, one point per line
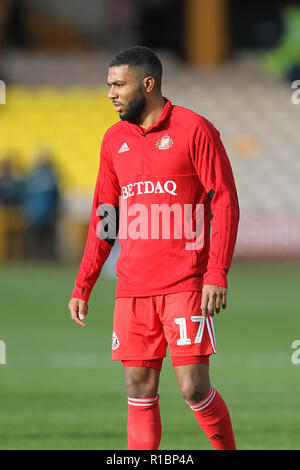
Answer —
143 58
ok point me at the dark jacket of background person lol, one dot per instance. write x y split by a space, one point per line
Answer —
40 210
11 223
10 187
41 195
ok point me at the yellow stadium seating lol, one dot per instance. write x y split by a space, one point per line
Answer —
70 123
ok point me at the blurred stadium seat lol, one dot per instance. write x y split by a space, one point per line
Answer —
69 122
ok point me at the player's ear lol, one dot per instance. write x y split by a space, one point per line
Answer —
149 83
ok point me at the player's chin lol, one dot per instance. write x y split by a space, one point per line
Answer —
122 115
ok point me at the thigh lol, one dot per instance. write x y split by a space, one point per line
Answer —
137 330
187 332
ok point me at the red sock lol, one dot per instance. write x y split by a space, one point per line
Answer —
143 425
213 418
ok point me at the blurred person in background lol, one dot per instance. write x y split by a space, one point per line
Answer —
11 225
41 209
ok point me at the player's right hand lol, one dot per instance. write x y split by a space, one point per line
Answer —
78 310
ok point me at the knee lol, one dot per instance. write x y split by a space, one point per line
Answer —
140 384
194 391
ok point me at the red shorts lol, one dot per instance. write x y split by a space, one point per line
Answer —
143 327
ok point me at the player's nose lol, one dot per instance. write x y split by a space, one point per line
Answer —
112 93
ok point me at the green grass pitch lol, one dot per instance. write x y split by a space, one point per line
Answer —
60 390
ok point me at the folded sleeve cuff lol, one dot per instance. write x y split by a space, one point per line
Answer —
81 293
215 278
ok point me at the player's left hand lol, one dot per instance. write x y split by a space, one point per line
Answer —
78 310
213 297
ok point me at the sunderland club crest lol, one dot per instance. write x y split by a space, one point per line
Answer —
164 143
115 342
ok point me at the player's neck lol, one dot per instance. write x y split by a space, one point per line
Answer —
152 112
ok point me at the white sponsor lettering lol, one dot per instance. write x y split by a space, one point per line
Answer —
170 190
148 187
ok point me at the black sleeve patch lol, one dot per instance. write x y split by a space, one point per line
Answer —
108 227
210 196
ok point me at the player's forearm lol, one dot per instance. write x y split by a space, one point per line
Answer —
103 228
224 230
95 254
215 173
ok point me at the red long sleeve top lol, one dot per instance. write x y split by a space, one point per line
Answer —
169 193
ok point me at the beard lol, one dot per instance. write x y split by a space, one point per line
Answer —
134 108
